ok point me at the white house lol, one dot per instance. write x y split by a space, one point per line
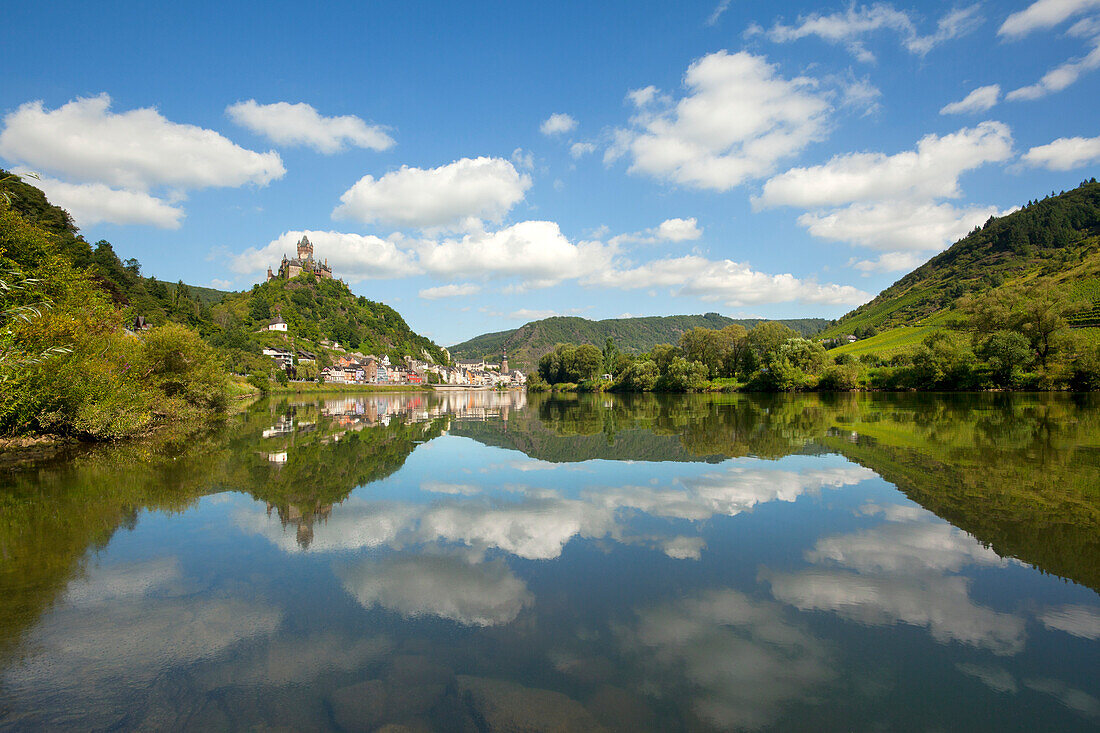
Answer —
277 324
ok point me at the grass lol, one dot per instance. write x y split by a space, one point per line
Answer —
888 343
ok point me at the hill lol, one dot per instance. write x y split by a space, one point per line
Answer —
1054 240
530 341
314 310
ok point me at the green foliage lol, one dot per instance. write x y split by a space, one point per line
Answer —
683 376
67 367
316 309
634 336
260 382
641 376
571 363
1006 353
839 378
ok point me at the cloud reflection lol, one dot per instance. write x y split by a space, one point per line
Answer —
536 523
743 661
901 575
487 594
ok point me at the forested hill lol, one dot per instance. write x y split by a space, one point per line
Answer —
317 309
314 310
157 301
1055 240
529 342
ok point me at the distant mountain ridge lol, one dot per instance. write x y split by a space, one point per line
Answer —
530 341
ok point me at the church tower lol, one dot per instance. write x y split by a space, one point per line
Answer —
504 362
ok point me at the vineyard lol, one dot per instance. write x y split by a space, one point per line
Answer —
1087 290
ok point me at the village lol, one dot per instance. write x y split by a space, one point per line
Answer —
367 369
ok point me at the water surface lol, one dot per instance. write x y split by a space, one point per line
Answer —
498 561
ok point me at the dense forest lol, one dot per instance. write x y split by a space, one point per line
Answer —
528 343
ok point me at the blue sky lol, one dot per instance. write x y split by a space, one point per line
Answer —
477 165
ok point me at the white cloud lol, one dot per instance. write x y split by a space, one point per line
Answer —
733 283
719 9
557 124
453 194
930 171
738 118
1043 14
85 141
849 26
531 314
219 284
670 230
861 94
301 124
579 150
450 291
1065 153
889 202
890 262
351 256
897 225
534 250
981 99
523 158
678 230
92 203
1059 77
645 96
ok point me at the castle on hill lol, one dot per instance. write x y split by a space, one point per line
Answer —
304 262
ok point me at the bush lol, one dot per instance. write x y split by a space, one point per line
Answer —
641 376
683 376
260 382
839 378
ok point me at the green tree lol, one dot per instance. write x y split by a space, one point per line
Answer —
763 342
1006 353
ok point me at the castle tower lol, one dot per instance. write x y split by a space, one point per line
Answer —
305 248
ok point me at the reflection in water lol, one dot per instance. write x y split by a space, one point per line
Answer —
742 662
495 560
473 594
901 574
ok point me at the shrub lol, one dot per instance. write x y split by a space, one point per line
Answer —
839 378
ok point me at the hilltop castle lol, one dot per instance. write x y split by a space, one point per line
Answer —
304 262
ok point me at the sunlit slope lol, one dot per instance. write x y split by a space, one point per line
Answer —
1055 240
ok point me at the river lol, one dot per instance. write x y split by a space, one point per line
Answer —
500 561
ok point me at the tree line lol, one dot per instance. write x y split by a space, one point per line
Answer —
1011 337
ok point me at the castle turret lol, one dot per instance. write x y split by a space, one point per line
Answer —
305 248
